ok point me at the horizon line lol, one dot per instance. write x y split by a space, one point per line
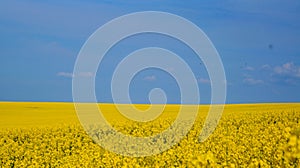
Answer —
283 102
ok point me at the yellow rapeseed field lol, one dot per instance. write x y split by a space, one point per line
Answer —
248 135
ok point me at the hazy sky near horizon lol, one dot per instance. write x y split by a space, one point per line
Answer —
258 42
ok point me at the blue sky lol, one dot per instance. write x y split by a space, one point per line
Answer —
258 42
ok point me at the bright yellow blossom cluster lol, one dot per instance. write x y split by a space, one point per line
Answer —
265 135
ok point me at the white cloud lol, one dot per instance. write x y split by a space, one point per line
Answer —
249 68
266 67
71 75
252 81
288 69
65 74
287 73
150 78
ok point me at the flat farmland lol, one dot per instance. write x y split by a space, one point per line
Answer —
42 134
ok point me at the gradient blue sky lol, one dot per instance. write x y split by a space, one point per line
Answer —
258 42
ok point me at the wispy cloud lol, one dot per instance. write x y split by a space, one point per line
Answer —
65 74
286 73
266 67
150 78
85 74
288 69
252 81
71 75
249 68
